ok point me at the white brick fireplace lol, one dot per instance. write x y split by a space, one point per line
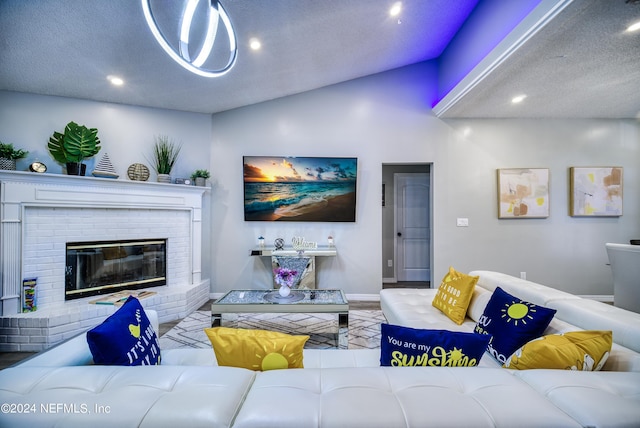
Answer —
40 213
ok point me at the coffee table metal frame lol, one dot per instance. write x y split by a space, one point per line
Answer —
315 301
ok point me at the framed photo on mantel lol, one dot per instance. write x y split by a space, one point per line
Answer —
523 193
595 191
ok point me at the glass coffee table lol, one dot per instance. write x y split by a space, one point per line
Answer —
306 301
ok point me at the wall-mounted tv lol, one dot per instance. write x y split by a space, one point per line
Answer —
279 188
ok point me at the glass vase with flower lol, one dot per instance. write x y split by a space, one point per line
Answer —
285 278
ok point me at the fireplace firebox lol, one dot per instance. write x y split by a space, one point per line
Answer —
103 267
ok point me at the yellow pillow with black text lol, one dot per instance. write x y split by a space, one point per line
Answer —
258 350
454 294
575 350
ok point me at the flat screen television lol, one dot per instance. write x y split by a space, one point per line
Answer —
314 189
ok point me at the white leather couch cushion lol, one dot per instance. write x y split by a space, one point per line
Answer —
593 315
413 308
396 397
109 396
600 399
526 290
312 358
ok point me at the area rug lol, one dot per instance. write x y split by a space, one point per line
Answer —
364 328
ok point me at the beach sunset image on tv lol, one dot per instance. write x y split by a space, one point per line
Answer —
300 189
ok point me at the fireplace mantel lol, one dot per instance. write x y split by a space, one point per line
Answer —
92 209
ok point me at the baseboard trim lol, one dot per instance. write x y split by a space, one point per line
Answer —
605 298
390 280
364 297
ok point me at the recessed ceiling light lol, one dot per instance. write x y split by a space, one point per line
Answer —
518 99
395 9
634 27
255 44
115 80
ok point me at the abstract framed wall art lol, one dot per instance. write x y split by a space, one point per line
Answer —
595 191
523 193
313 189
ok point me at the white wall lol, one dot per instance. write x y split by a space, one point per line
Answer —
126 134
561 251
386 119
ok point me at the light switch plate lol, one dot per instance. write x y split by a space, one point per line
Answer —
462 222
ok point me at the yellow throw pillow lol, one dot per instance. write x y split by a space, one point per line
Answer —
259 350
576 350
454 295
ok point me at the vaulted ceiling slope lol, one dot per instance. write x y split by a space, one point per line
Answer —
578 64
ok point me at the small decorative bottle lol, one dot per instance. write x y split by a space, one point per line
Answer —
261 241
330 239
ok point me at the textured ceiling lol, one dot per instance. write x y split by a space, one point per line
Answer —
579 65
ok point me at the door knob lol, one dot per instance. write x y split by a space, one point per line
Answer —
399 234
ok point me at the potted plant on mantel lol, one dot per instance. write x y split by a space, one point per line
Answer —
165 154
200 177
76 144
9 155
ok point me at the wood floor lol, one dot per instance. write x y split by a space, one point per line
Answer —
9 358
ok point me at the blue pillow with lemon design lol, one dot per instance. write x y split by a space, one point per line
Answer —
126 338
512 322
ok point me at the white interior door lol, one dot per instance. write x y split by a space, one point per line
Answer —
412 227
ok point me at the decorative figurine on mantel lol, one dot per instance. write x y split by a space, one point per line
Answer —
261 241
104 168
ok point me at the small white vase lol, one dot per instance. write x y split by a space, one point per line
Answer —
164 178
284 291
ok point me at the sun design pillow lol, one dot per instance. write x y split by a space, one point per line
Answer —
126 338
512 323
404 346
576 350
454 295
259 350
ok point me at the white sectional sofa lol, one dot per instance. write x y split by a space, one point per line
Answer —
340 388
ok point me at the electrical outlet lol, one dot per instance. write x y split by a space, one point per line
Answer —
523 275
390 263
462 222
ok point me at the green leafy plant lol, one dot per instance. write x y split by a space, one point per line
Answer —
74 145
7 151
165 154
203 173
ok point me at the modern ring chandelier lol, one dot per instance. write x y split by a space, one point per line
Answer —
180 51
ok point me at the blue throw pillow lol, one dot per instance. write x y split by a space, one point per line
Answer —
512 323
126 338
405 346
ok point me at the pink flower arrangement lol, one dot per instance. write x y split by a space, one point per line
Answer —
285 276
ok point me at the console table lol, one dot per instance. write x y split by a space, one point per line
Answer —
303 261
